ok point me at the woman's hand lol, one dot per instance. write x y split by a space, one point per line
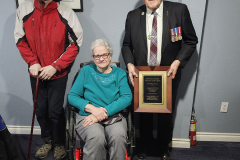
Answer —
99 113
89 120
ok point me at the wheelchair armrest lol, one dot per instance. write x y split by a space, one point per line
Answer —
125 112
74 109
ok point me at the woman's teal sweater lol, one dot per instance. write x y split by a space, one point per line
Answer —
108 90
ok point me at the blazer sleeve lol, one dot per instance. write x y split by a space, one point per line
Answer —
127 47
189 37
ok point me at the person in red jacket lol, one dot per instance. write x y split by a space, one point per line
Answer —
48 35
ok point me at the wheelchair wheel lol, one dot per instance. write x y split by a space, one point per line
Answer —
131 137
71 135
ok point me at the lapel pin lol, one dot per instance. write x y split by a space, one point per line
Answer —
142 13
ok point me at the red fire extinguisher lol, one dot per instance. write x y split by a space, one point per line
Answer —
193 131
78 154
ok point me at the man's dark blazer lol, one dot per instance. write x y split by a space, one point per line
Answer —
134 48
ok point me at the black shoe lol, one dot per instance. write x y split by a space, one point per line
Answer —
166 155
142 156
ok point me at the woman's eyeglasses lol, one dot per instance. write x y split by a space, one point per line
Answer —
104 56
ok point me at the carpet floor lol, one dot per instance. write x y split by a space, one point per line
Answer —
201 151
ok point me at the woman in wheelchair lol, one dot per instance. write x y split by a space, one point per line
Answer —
101 92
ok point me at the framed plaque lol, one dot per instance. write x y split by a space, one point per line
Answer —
152 90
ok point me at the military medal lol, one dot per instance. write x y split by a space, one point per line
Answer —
179 33
176 34
172 35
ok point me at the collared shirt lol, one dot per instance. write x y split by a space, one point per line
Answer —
149 20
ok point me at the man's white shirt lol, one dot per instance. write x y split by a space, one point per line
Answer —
149 20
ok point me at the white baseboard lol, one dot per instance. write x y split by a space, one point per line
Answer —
220 137
180 143
176 142
24 130
201 136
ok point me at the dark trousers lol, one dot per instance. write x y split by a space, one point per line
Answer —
165 122
49 110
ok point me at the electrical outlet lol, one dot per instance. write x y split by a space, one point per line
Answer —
224 107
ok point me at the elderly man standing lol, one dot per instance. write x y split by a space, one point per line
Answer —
48 35
159 33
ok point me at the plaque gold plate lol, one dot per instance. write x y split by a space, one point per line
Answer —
152 90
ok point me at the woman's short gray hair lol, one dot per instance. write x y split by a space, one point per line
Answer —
101 42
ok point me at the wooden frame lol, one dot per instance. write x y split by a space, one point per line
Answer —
76 5
165 106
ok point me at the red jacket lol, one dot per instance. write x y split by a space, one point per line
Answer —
48 36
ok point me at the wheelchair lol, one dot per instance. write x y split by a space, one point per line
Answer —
75 143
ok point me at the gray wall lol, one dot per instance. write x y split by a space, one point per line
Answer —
219 72
187 84
106 19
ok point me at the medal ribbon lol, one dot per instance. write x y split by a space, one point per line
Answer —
176 34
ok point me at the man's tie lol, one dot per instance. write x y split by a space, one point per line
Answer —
153 45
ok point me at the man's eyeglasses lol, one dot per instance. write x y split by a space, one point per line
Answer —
104 56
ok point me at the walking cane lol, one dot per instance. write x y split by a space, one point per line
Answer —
33 117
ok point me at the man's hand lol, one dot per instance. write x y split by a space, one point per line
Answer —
89 120
34 69
47 72
173 68
131 72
